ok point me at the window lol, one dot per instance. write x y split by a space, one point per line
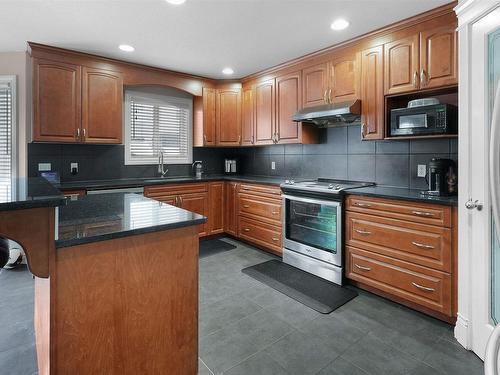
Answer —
7 135
158 123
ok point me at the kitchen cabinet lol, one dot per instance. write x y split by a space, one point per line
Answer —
197 202
248 117
76 104
265 113
288 102
405 251
344 78
372 93
56 101
315 83
209 119
102 98
216 207
231 209
427 59
228 117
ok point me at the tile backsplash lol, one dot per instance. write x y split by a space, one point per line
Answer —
341 155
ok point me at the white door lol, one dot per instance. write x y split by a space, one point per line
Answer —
479 252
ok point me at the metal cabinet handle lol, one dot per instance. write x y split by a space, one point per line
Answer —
422 213
363 232
246 229
204 139
276 239
84 133
363 130
275 212
239 138
470 205
422 245
364 205
78 133
180 200
423 78
330 95
362 268
245 188
415 79
246 205
423 287
253 141
324 96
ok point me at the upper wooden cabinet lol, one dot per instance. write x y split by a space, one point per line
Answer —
372 93
344 78
209 95
264 113
248 117
73 103
228 117
102 98
288 102
315 81
421 60
438 57
56 101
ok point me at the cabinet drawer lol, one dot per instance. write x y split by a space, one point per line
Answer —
264 190
398 209
268 236
153 191
426 245
413 283
262 208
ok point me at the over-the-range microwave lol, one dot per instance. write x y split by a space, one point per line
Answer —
424 120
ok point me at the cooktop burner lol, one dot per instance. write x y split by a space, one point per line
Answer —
321 186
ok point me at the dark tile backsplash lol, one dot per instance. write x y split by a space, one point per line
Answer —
342 155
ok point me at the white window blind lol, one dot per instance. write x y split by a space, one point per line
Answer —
7 120
157 123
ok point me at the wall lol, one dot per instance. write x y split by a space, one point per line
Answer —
14 63
342 155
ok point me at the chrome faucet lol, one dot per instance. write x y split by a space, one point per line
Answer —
161 165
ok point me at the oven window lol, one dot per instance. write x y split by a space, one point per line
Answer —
312 224
413 121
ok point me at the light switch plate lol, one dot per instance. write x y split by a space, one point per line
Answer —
273 165
73 166
422 170
44 167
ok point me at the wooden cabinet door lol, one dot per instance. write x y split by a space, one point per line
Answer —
288 102
248 117
372 93
344 78
438 57
198 203
216 202
102 106
231 209
315 85
56 101
228 117
402 65
209 116
264 113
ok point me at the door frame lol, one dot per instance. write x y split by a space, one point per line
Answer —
474 326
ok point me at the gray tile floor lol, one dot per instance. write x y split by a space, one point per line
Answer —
249 328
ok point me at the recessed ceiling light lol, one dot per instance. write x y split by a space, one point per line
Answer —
227 71
176 2
339 24
126 48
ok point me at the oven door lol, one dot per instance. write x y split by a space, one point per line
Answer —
313 227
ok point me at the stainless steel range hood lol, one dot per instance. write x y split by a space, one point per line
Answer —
328 115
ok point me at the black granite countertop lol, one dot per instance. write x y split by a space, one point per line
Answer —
102 217
405 194
138 182
31 192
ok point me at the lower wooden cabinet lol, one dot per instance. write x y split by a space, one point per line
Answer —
216 206
231 209
405 251
265 235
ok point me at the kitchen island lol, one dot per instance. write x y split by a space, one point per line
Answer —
118 290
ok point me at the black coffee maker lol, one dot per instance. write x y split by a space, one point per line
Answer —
441 177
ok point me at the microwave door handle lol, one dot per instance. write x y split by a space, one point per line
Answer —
495 159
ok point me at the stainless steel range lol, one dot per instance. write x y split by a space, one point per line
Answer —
312 230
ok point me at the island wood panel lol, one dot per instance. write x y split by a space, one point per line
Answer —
265 113
56 101
18 225
372 93
248 117
102 109
126 306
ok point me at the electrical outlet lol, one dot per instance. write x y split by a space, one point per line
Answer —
74 168
421 170
44 167
273 165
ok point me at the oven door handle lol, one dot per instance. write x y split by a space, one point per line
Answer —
312 200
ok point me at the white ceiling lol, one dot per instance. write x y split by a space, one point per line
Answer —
201 36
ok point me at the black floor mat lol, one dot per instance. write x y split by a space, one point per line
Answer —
214 246
310 290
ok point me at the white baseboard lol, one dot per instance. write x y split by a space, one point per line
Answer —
462 331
